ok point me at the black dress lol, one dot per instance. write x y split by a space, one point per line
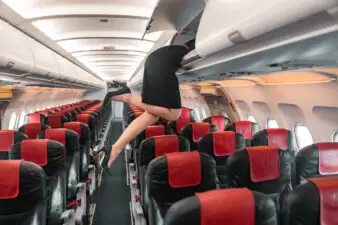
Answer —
160 84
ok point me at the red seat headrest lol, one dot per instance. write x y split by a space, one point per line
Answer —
9 178
224 143
166 144
35 150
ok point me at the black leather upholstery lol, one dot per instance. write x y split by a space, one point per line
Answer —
243 166
23 195
193 132
51 156
33 129
316 160
223 207
220 145
7 139
36 118
151 131
154 147
84 133
70 140
219 121
245 128
163 191
187 117
91 122
312 203
279 138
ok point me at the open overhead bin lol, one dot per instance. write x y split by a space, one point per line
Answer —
227 23
15 56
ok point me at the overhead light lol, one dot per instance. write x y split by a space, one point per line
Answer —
104 20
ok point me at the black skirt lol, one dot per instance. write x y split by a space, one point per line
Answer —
160 84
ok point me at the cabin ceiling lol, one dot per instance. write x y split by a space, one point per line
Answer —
108 37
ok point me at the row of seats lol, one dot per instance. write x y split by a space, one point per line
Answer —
173 167
46 180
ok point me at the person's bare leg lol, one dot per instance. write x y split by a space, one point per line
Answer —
134 128
136 100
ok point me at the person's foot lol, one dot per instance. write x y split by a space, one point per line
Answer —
110 95
113 155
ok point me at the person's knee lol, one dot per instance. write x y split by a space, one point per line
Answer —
173 116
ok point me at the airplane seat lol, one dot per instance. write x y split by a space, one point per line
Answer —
245 128
56 120
179 124
33 129
152 148
70 140
238 206
9 138
187 113
264 169
150 131
66 114
175 176
23 195
84 134
317 160
312 203
220 146
35 118
90 121
195 131
280 138
219 121
51 156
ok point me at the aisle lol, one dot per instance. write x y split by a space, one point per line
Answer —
112 200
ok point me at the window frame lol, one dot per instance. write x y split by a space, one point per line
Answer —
295 133
267 123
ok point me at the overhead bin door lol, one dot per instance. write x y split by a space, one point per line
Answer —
15 52
45 60
226 23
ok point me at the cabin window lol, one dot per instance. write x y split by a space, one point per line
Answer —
335 136
22 119
272 123
12 121
252 119
303 136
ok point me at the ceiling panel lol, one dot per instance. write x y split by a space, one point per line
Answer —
103 52
43 8
68 28
123 63
110 58
100 44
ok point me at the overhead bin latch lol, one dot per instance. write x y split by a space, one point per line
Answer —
236 37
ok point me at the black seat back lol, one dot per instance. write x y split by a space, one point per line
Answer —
245 128
33 129
51 156
195 131
175 176
219 121
70 140
220 145
9 138
312 203
22 193
224 207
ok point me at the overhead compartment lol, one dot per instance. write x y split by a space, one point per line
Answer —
46 66
227 23
15 55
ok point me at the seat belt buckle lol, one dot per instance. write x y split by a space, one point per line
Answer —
73 204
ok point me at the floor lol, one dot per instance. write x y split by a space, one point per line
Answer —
112 199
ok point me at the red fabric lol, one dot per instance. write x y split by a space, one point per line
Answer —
184 169
181 123
328 191
166 144
244 128
154 131
328 158
219 122
56 135
278 137
185 113
55 120
7 140
199 130
227 207
35 151
74 126
83 118
32 130
224 143
264 163
9 178
34 118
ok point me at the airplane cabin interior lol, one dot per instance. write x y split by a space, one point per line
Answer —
256 142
